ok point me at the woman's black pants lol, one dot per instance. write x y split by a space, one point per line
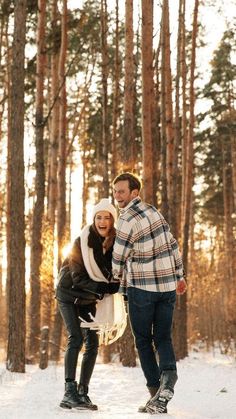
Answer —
77 336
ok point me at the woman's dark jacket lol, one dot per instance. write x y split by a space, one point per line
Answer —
74 283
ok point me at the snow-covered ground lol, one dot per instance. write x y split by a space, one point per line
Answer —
206 389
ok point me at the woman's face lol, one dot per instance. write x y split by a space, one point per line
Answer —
103 222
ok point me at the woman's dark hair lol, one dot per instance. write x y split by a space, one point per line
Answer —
133 180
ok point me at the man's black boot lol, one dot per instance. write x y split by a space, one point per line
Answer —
152 391
158 404
84 400
70 398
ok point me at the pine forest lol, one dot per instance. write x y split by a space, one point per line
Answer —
93 88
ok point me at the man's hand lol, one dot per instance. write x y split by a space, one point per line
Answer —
181 287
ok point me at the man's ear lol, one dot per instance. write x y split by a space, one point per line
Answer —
134 193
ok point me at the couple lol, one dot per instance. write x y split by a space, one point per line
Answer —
141 259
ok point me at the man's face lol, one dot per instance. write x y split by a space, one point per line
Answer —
122 193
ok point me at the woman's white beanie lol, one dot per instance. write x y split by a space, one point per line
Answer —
105 205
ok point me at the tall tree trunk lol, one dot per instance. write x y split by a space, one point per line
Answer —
61 200
176 204
104 189
164 195
116 99
8 83
2 294
36 233
181 307
136 107
183 70
168 106
16 219
233 153
228 210
189 168
156 132
3 191
52 176
47 275
128 130
61 208
126 342
147 99
229 252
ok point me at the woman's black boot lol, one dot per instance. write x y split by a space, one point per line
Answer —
85 402
71 398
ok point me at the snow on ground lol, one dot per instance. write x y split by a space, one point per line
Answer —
206 389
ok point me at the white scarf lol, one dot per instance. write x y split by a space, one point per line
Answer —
90 264
111 318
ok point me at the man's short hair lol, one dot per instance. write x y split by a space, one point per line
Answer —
133 180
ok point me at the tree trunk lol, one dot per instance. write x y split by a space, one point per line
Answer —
233 157
103 190
47 274
156 129
15 216
128 130
61 209
116 99
127 347
189 168
184 114
229 252
61 200
164 194
176 203
168 107
181 311
52 176
228 210
36 233
147 99
44 343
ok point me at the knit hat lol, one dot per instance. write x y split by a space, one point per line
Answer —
105 205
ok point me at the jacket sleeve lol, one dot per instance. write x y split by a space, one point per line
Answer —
80 276
121 251
179 271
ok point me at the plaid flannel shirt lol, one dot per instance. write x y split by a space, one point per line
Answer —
145 254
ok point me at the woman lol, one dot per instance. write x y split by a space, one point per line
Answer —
77 294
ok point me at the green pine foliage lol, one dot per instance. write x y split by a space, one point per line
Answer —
220 121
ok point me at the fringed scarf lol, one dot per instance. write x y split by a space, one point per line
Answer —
111 318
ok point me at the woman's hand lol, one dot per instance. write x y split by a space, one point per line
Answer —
108 287
113 287
103 287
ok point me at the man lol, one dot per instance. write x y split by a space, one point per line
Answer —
148 264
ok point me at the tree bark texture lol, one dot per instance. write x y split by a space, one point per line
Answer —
147 98
61 201
116 100
16 220
164 185
38 211
128 130
103 191
168 110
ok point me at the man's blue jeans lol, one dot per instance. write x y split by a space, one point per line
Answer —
151 315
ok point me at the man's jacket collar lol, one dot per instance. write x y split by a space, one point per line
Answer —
134 201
